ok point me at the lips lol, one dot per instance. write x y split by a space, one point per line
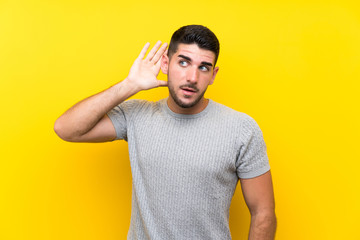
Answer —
189 89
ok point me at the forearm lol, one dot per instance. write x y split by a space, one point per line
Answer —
86 120
84 115
263 226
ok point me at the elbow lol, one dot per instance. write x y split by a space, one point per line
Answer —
265 219
59 129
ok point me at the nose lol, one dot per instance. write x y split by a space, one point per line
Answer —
192 75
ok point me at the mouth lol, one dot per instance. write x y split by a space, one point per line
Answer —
189 90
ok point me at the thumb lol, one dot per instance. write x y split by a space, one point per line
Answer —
162 83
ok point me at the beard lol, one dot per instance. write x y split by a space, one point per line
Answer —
181 103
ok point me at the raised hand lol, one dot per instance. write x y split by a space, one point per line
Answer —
87 121
143 73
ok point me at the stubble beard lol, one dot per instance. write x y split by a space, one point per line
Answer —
179 102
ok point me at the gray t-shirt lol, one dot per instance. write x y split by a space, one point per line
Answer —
185 167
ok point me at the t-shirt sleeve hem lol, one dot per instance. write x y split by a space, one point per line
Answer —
115 124
255 173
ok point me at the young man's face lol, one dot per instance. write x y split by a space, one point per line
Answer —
190 70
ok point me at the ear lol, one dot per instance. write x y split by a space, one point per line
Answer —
164 63
214 75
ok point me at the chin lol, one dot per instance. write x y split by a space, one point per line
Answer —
187 103
183 101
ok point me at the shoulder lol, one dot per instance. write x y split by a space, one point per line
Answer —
137 105
230 113
133 103
241 123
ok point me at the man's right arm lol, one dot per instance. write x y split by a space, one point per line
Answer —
87 121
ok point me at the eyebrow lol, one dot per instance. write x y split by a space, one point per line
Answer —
189 59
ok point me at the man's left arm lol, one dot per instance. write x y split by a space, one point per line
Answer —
259 197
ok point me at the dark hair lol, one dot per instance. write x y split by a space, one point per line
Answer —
200 35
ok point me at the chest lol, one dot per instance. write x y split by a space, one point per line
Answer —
188 147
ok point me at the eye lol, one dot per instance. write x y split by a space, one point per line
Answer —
183 63
204 68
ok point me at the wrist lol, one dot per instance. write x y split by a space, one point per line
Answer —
124 89
131 86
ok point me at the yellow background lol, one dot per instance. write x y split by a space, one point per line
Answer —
294 66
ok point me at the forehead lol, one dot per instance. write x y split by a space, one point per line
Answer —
195 53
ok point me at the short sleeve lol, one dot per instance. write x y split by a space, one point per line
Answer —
120 116
252 160
118 119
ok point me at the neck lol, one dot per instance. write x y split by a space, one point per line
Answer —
200 106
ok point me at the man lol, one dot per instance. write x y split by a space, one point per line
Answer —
187 152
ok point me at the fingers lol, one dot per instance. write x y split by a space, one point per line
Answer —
144 50
159 53
153 51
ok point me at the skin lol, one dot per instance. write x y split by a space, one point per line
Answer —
190 71
87 121
259 197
